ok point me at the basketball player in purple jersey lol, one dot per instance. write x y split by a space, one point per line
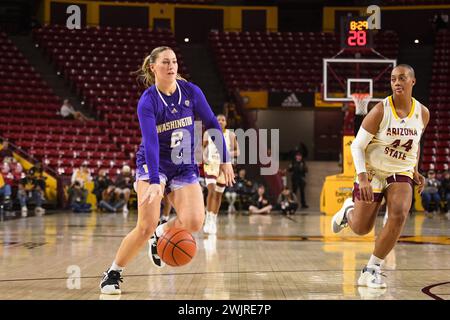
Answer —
165 160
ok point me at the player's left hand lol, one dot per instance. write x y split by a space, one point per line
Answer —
419 180
228 173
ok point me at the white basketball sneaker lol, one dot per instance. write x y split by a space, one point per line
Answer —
207 225
371 276
339 220
213 224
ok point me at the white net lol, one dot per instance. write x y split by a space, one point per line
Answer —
361 101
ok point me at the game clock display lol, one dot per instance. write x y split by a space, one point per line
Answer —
355 33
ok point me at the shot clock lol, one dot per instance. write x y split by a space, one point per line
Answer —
355 33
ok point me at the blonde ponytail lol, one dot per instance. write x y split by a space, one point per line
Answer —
145 74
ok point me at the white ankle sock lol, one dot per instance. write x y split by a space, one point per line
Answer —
160 230
115 267
374 260
350 205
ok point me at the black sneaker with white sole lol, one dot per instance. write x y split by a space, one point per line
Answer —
153 252
110 282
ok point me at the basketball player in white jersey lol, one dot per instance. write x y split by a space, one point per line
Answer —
214 181
385 153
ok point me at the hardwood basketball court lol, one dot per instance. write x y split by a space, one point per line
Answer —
252 257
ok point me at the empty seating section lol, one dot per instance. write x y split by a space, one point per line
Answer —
29 112
282 61
275 61
99 63
436 152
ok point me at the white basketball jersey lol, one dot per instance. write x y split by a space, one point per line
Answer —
213 153
394 147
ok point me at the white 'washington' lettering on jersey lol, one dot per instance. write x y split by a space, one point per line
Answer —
175 124
394 147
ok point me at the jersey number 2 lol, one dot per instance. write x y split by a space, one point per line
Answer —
175 140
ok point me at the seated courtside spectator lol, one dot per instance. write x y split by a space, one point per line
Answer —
244 188
5 192
78 198
30 190
101 183
17 174
431 193
230 195
445 190
124 185
11 173
37 173
110 202
82 175
260 203
287 201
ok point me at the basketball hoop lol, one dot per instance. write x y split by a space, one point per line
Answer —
361 101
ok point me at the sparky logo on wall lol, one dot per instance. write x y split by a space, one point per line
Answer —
291 101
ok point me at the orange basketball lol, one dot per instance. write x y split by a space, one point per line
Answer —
176 247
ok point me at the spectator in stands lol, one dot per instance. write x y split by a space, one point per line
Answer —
5 151
124 185
299 169
110 201
29 190
101 183
244 188
69 112
431 193
440 21
78 198
445 190
287 201
260 203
